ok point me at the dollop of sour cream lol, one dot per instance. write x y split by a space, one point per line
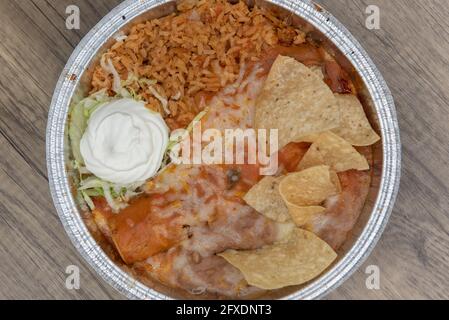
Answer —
124 142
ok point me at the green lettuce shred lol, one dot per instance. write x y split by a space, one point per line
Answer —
90 186
79 115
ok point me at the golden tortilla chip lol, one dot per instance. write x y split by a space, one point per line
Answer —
310 138
331 150
318 70
309 187
305 191
264 197
284 230
301 216
295 101
354 125
335 180
298 259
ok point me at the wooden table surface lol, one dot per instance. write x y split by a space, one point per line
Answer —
411 49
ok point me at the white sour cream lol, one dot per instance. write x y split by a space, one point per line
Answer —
124 142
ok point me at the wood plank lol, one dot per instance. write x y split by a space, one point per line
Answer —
410 50
34 249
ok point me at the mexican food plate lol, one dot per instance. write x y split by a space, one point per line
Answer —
222 150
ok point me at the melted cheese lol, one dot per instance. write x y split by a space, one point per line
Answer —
218 220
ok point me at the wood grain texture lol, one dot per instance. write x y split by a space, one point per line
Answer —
411 50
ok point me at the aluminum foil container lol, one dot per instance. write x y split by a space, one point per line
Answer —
376 97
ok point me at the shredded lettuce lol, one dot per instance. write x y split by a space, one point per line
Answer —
162 100
116 196
96 192
115 203
79 115
107 65
127 91
118 86
174 143
146 82
132 78
134 95
89 185
198 118
88 200
150 83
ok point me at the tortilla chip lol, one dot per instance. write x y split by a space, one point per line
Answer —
311 138
312 158
297 260
331 150
284 230
295 101
304 192
301 216
309 187
335 180
354 125
264 197
318 70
